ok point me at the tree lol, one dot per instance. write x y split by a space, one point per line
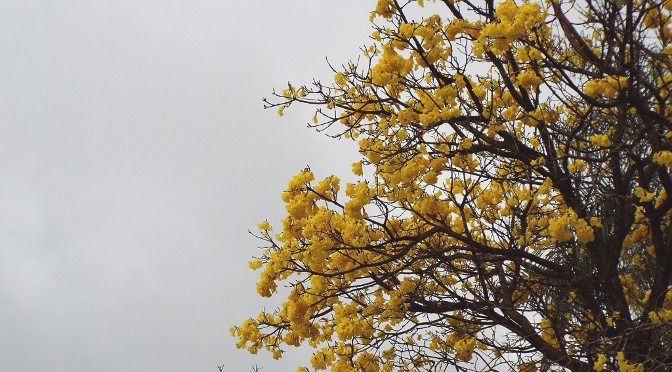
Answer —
512 208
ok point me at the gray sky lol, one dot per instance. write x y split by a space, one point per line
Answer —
134 156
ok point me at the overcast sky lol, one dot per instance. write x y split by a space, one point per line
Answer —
134 156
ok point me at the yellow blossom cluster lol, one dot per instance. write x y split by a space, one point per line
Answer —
506 180
663 158
608 87
561 228
600 140
390 68
514 22
664 313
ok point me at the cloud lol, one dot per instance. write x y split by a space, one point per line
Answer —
134 156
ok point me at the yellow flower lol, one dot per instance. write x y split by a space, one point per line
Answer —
600 140
406 30
406 286
577 165
661 316
465 348
360 195
340 79
663 158
584 232
254 264
599 363
357 168
264 226
529 79
384 8
607 87
644 195
558 229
